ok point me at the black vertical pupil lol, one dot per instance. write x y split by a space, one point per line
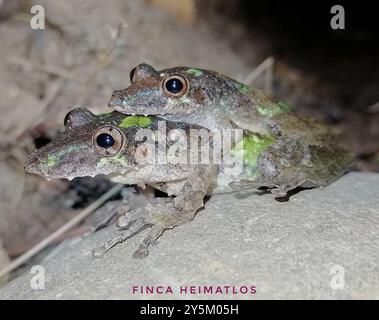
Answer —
174 85
105 140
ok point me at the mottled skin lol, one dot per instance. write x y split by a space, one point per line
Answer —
215 102
277 161
74 153
211 100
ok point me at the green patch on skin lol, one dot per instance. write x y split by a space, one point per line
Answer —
104 113
135 121
194 72
53 159
184 99
273 109
243 88
119 159
251 146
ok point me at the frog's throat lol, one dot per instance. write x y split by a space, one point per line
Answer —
116 160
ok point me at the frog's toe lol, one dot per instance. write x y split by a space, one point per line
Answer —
143 250
141 253
133 217
279 192
101 250
132 224
130 215
158 218
151 214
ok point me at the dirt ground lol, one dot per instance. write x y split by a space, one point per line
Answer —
88 49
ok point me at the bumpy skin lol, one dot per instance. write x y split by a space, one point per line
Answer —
304 154
301 152
74 153
296 152
211 100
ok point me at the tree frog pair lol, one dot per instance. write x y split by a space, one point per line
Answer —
278 149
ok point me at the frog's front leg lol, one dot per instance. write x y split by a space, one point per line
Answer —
162 216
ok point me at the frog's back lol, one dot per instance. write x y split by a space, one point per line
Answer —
306 154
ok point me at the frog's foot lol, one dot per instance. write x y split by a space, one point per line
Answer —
164 215
104 215
131 200
280 192
157 217
284 190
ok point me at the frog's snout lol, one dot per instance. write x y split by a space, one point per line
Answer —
116 100
32 164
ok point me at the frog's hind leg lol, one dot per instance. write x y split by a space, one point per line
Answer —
293 163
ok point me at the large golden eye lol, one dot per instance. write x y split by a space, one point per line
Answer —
175 86
108 141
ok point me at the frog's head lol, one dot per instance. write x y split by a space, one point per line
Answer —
90 145
179 90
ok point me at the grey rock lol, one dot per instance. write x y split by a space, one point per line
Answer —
321 244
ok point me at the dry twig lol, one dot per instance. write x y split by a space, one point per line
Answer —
37 66
74 221
267 67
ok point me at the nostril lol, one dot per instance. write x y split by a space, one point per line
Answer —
32 164
29 165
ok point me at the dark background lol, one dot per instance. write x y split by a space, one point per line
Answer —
332 75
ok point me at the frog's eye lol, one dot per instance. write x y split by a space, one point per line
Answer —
175 86
131 74
108 141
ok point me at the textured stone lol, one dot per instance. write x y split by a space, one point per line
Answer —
308 247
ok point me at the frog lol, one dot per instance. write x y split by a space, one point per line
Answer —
115 145
216 101
198 96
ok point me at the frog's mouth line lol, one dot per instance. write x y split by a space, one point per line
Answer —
151 112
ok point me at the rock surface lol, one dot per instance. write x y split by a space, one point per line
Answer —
321 244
